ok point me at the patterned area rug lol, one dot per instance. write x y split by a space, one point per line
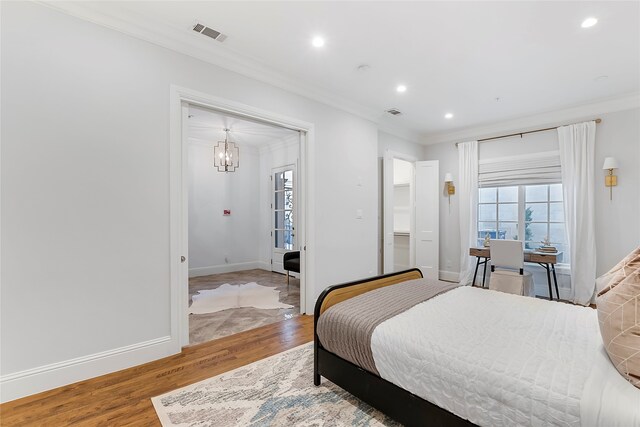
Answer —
277 391
235 296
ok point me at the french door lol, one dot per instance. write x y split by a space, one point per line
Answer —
283 214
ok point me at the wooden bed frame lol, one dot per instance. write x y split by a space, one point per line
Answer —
396 402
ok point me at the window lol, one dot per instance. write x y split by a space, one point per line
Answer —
531 213
283 209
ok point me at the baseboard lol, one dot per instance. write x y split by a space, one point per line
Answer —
43 378
227 268
449 276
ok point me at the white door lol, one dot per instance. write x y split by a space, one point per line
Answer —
283 214
427 218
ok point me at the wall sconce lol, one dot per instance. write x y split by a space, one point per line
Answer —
610 163
451 189
226 155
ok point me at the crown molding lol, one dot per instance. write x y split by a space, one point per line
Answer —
547 119
192 44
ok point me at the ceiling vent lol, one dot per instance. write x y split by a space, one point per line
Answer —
394 112
209 32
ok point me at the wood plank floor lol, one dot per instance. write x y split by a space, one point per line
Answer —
123 398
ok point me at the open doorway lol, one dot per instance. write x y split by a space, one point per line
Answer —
232 215
410 214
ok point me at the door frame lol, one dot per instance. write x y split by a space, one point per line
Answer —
387 209
293 167
179 100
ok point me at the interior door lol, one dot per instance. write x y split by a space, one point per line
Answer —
283 214
427 218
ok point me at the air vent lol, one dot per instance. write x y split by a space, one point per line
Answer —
394 112
209 32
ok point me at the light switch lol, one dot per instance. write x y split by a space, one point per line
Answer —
358 213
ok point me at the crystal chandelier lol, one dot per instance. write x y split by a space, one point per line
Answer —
226 155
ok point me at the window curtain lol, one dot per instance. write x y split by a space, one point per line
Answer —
577 158
468 190
530 169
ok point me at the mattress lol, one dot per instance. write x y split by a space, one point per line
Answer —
502 360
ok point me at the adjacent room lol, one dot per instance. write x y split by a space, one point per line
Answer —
287 213
242 222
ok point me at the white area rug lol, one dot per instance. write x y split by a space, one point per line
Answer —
235 296
277 392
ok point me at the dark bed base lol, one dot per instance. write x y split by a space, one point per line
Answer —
394 401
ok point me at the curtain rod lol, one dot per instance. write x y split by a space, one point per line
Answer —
524 133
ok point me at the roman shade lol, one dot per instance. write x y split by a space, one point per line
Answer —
529 169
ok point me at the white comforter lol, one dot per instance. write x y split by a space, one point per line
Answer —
502 360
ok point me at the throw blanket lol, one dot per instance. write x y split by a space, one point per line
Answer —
350 337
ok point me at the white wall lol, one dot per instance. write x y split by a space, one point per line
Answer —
85 193
219 243
617 226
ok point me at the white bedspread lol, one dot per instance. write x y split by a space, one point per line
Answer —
503 360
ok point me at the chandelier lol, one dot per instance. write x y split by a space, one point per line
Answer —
226 155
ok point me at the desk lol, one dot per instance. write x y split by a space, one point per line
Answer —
545 259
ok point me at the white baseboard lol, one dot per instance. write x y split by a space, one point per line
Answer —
449 276
228 268
31 381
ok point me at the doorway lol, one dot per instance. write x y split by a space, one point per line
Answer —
229 219
410 214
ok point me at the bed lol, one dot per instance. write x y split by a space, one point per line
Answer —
467 356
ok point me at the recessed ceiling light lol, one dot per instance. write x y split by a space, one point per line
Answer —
317 41
401 88
589 22
448 116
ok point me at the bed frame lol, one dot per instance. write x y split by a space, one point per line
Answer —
394 401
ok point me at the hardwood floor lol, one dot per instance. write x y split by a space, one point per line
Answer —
123 398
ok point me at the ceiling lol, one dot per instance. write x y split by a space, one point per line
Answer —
484 62
208 126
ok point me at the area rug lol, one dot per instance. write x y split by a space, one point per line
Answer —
277 391
234 296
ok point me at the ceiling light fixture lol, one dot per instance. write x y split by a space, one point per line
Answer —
401 88
448 116
226 155
589 22
317 41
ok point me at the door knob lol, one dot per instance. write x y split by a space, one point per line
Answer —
182 258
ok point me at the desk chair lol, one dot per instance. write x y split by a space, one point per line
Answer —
507 268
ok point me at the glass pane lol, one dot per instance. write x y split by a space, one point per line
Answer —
288 199
279 200
508 194
556 212
280 219
535 232
508 212
508 230
488 195
487 213
288 179
536 193
279 239
536 212
556 233
485 228
555 192
288 220
278 179
288 240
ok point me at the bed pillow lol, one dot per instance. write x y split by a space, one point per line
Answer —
618 305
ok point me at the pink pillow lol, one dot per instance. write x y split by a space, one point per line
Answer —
618 306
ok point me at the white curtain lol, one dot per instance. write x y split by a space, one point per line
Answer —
468 191
577 158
